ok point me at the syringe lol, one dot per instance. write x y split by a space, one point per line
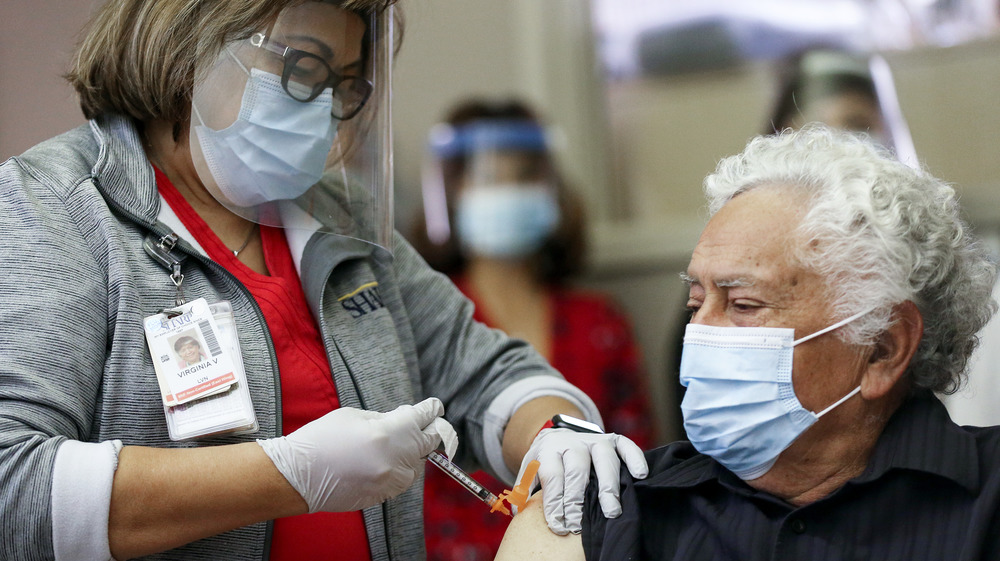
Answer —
473 486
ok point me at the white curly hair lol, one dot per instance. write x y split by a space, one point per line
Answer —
882 233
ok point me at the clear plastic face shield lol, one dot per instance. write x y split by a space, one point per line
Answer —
837 89
857 93
498 180
291 126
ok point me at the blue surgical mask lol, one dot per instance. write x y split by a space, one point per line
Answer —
277 148
506 221
740 406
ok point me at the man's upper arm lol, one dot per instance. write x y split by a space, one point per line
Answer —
529 538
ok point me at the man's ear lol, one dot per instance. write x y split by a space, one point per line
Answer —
893 351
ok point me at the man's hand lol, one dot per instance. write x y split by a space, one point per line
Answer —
566 457
350 458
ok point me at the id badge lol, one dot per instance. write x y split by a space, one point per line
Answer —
190 361
203 385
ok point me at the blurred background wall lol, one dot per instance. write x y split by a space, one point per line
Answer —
636 145
36 39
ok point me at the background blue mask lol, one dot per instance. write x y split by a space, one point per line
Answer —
506 220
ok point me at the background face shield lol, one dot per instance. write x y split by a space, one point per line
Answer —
291 126
482 155
852 92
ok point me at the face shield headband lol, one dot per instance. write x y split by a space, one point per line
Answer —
507 153
291 126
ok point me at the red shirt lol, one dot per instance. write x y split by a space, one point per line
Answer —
307 388
592 346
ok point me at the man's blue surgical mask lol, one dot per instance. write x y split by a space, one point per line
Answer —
277 148
506 221
740 406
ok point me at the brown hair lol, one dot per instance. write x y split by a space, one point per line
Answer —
560 257
793 80
139 57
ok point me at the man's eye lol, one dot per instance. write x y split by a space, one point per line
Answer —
692 308
745 306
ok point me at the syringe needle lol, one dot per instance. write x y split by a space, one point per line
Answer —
465 480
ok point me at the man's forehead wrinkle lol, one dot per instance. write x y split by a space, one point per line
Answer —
724 282
735 282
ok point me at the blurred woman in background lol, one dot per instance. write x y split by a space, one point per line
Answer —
831 87
500 220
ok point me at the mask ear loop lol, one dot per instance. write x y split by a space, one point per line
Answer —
839 401
233 56
840 323
197 113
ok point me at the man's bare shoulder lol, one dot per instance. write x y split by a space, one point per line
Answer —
529 538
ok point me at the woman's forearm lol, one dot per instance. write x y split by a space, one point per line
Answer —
164 498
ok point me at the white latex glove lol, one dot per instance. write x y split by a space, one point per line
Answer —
565 457
350 458
449 438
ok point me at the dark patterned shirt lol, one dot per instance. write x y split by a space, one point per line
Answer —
931 491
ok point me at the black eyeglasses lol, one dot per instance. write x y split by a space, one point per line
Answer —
310 75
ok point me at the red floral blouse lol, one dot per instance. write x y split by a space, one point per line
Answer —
592 346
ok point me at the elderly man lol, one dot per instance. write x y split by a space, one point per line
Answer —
832 292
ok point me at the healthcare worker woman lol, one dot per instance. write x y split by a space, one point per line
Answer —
233 186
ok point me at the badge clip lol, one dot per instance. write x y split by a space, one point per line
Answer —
162 252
